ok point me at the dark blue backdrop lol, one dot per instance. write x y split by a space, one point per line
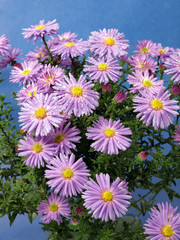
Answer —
158 20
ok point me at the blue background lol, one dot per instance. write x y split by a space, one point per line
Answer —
158 20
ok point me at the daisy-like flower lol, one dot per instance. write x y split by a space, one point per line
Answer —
76 96
40 114
72 48
41 30
164 223
106 200
108 43
10 58
144 81
163 53
103 70
177 135
64 137
109 136
4 45
54 208
142 63
66 175
37 149
67 36
146 47
28 73
39 54
157 108
173 65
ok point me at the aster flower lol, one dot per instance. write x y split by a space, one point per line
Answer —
10 57
144 81
163 53
142 63
66 175
103 70
29 72
108 43
40 114
64 137
172 63
106 200
164 223
177 135
4 45
55 207
67 36
37 149
109 136
40 54
76 96
157 108
146 47
120 97
41 30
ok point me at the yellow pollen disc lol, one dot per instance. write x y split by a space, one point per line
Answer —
40 113
53 207
109 132
107 196
142 66
161 51
59 138
69 44
67 173
156 104
102 66
147 83
39 27
77 91
37 148
40 55
144 50
109 41
26 72
32 93
167 231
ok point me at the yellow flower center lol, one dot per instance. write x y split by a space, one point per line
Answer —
107 196
147 83
68 173
77 91
40 55
156 104
69 44
59 138
102 66
37 148
142 66
39 27
32 93
26 72
144 50
109 41
53 207
40 113
109 132
167 231
161 50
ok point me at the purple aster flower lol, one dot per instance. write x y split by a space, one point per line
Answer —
142 63
120 97
28 73
144 81
67 36
40 54
55 207
164 223
41 30
106 200
67 176
108 43
157 108
109 136
146 47
177 135
103 70
37 149
40 115
10 58
64 137
76 96
173 63
4 45
163 53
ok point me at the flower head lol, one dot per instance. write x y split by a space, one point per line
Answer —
106 87
106 200
67 176
55 207
78 210
143 155
109 136
4 45
173 65
142 63
177 135
175 89
10 57
39 54
120 97
146 47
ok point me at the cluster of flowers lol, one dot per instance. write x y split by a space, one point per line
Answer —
50 96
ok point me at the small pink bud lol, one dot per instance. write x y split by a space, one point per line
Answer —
120 97
162 66
78 210
175 89
106 87
74 220
143 155
18 65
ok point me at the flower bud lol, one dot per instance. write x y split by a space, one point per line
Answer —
120 97
143 155
106 87
175 89
78 210
18 65
74 220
